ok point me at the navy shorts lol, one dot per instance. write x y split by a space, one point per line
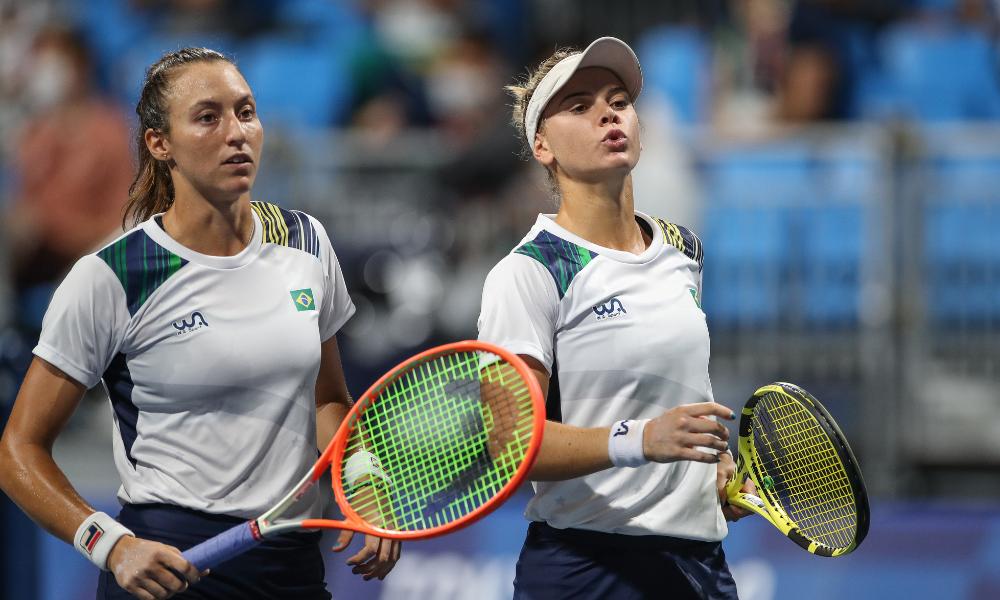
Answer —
288 566
579 564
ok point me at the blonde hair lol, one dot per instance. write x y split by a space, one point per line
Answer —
522 91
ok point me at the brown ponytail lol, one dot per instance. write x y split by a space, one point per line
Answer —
152 191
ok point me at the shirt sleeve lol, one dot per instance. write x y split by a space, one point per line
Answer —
337 305
85 323
520 307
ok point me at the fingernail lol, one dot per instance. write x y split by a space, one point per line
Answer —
732 415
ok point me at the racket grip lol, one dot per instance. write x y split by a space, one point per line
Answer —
222 547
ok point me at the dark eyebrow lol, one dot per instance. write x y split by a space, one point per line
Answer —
216 104
205 104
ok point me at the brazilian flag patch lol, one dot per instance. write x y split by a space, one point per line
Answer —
303 299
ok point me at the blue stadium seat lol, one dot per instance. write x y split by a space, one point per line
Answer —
676 62
850 179
835 231
941 73
774 172
129 70
965 179
960 181
745 260
296 84
111 27
325 22
791 214
851 169
833 248
874 96
748 237
963 261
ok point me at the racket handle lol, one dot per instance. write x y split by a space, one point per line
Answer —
224 546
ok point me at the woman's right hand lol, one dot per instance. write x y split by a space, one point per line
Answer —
150 570
675 434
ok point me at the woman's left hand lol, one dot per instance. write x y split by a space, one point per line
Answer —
724 471
375 559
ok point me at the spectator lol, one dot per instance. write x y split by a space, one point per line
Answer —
829 43
72 166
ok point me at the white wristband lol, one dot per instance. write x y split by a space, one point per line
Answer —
625 443
360 464
96 536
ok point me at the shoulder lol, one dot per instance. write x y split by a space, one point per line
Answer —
92 271
139 265
683 239
517 266
291 228
519 279
562 259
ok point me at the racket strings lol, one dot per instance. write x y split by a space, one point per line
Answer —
809 489
363 502
807 474
412 421
812 499
449 433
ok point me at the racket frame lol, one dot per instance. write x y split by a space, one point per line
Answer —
332 457
765 504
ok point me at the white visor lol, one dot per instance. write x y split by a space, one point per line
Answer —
608 52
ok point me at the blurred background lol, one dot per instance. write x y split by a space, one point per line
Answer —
839 158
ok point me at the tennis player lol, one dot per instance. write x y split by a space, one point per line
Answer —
604 303
212 325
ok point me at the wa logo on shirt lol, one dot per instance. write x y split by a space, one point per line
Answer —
194 323
303 299
610 309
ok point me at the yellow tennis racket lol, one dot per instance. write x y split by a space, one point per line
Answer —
808 482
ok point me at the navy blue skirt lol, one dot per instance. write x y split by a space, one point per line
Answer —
288 566
579 564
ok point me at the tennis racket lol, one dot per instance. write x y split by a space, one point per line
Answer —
435 444
807 478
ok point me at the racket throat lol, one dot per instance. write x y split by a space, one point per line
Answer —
752 503
255 531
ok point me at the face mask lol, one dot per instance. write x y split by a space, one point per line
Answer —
458 88
50 81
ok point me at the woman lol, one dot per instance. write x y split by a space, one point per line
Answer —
603 302
212 324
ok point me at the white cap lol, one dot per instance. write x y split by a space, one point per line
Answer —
608 52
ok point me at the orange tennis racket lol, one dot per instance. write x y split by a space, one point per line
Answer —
435 444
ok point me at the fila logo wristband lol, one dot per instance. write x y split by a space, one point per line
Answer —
96 536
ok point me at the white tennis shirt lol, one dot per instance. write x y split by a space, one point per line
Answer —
210 362
623 337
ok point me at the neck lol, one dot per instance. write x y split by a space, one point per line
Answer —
602 213
212 228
